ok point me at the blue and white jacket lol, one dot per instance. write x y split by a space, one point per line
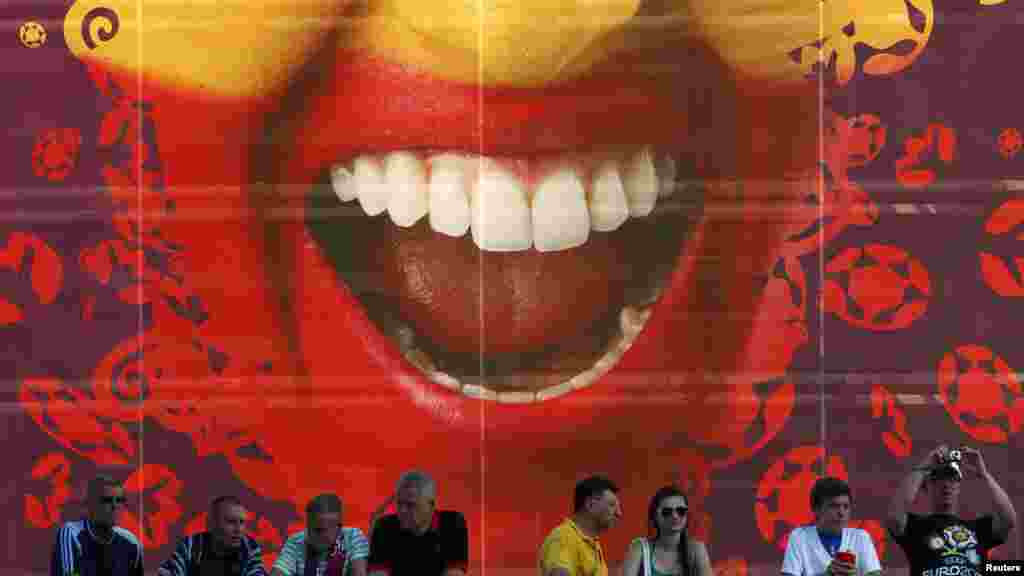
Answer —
75 552
189 553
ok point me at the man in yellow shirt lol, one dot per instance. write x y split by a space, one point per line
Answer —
572 548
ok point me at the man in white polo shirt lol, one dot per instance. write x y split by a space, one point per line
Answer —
325 547
829 545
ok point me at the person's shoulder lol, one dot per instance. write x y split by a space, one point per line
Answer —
451 518
388 521
72 526
352 533
560 532
296 538
861 535
693 544
452 515
251 544
387 525
803 531
128 536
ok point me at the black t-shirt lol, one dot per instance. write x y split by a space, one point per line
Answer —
445 545
945 545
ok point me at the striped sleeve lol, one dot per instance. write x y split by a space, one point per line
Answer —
177 564
291 555
254 563
64 558
357 544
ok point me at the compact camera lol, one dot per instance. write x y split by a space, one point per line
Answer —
950 464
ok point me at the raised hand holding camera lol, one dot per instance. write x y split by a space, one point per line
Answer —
973 462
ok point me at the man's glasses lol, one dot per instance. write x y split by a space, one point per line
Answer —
679 510
114 500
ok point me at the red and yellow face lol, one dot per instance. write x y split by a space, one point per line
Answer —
467 236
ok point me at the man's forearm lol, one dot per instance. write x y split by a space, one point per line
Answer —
904 499
1004 507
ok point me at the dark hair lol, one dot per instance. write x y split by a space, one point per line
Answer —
221 501
684 538
591 487
828 488
98 483
323 504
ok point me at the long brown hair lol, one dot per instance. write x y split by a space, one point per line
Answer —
684 538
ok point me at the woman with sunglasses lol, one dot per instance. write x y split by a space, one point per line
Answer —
671 550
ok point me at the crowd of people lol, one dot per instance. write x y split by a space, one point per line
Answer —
419 539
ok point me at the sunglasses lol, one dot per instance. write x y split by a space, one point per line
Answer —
680 510
113 500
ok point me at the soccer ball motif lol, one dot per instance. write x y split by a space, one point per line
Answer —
783 489
982 393
876 287
56 153
1010 142
1002 271
32 34
865 139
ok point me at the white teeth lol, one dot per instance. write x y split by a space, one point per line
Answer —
608 206
406 180
343 183
370 186
560 216
500 213
641 183
449 205
666 170
632 321
509 204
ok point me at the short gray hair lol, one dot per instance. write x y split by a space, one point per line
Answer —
421 481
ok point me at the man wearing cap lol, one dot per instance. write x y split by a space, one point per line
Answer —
942 543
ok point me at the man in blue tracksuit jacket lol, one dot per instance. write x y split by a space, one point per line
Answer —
96 546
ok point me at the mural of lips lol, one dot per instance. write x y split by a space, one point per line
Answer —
255 294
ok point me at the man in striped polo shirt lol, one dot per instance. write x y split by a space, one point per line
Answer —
224 550
96 546
325 547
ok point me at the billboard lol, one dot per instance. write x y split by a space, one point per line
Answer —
272 249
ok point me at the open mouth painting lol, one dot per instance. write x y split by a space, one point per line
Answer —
511 243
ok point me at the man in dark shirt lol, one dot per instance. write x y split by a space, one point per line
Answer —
942 543
419 540
96 546
224 550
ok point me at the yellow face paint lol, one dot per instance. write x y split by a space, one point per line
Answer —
253 47
510 42
782 40
233 48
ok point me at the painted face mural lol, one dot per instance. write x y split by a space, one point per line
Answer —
275 249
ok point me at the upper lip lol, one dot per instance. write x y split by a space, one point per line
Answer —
402 109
